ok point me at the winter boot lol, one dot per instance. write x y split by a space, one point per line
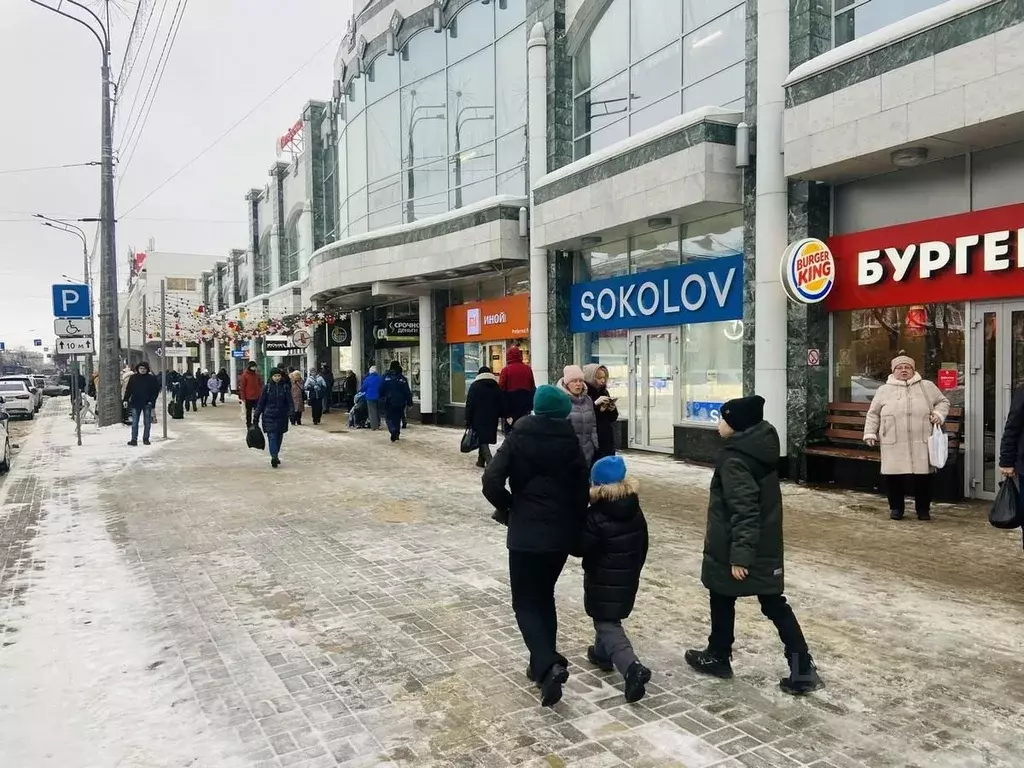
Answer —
924 516
895 514
605 665
803 676
637 678
275 462
708 663
132 443
551 686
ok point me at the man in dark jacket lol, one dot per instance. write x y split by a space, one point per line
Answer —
189 391
225 383
1011 447
614 549
544 504
483 411
250 389
328 374
140 395
517 386
743 546
395 396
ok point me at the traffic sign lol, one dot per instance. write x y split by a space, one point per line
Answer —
71 300
80 345
2 347
178 352
239 353
37 342
72 326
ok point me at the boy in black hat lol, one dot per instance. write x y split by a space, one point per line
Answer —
743 547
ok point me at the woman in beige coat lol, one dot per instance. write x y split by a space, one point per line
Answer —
900 421
298 398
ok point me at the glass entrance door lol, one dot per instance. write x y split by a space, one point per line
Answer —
998 370
653 389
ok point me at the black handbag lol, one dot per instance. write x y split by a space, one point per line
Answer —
470 441
254 438
1006 512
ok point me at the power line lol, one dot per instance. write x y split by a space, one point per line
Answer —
128 66
127 61
155 86
226 133
145 66
7 171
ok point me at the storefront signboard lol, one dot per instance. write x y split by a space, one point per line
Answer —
966 257
281 346
701 292
396 332
706 411
339 333
808 271
493 320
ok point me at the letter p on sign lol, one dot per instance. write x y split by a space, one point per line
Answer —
71 301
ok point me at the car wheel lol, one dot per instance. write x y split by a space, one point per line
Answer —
31 416
5 464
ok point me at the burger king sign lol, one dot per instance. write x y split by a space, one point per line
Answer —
808 271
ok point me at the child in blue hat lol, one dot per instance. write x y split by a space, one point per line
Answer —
614 549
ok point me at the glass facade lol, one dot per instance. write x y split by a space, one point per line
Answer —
677 55
866 340
440 125
290 252
856 18
261 267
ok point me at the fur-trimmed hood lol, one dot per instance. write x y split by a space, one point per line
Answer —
615 491
486 377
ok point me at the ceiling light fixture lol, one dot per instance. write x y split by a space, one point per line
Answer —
909 157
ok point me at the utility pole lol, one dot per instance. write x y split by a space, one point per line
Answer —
163 351
108 394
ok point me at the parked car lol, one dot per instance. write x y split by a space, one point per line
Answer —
5 440
30 385
56 386
18 400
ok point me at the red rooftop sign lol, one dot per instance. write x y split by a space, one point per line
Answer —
966 257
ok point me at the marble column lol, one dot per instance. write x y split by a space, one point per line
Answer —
356 318
218 356
750 204
442 358
561 351
771 204
426 311
202 354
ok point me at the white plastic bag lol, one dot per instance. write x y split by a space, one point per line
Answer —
938 447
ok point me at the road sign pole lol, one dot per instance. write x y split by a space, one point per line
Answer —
76 399
163 350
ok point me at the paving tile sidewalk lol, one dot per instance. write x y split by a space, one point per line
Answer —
351 608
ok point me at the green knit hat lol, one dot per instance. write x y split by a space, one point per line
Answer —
551 402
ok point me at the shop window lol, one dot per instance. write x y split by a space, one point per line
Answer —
609 260
181 284
713 237
611 349
864 341
711 356
655 250
856 18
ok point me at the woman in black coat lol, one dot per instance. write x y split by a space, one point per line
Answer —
225 383
596 377
275 408
483 410
544 504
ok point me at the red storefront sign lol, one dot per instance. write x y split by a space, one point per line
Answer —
966 257
948 378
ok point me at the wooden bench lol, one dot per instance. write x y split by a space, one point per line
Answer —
843 441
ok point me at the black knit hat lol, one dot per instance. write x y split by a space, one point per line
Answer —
743 412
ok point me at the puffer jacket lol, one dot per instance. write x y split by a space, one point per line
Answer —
584 421
548 485
1011 447
250 385
614 549
274 407
517 385
898 420
745 516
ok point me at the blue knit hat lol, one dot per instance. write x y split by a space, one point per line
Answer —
608 471
551 402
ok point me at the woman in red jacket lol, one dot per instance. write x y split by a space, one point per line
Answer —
517 388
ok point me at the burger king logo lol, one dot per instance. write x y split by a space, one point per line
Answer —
808 271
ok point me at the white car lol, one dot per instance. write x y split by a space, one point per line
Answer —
30 385
5 441
18 400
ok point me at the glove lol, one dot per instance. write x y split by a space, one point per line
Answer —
500 516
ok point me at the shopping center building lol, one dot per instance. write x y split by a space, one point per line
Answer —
617 181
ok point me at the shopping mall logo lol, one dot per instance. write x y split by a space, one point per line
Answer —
808 271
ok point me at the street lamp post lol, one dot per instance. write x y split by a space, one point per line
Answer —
72 229
108 394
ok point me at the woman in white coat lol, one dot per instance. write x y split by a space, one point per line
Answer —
900 421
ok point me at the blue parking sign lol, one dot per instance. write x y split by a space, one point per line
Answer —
71 300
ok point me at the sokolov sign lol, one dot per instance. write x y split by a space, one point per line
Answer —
702 292
966 257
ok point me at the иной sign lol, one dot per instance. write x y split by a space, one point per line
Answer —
492 320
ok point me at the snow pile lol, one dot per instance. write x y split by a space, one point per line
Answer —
88 681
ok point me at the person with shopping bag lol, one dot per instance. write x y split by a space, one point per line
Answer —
900 421
1011 447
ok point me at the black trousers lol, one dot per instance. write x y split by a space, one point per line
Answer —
249 405
920 486
775 607
316 405
532 576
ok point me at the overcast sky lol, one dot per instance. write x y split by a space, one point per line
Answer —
228 56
